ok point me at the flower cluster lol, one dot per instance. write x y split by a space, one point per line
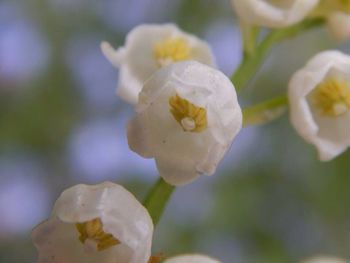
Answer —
187 112
319 94
186 118
99 223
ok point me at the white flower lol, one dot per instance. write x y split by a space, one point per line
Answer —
273 13
187 117
324 259
100 223
319 96
191 258
148 48
339 25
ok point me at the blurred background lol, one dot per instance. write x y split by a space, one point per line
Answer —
61 124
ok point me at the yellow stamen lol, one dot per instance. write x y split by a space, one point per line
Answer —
332 97
93 230
191 117
171 50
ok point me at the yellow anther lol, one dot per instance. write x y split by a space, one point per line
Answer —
93 230
191 117
332 97
171 50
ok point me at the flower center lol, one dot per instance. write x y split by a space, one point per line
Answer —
332 97
171 50
191 117
93 231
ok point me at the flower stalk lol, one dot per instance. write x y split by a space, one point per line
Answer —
265 112
252 61
250 34
157 199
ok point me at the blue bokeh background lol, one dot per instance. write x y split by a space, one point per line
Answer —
61 124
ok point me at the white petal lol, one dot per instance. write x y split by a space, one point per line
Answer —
191 258
327 59
179 171
265 13
128 86
138 137
335 135
120 213
115 57
339 25
208 165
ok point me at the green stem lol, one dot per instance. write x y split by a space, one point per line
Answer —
157 199
252 62
264 112
249 35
